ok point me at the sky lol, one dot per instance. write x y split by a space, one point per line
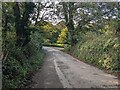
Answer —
53 19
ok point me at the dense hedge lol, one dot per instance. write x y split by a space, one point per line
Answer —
21 61
99 49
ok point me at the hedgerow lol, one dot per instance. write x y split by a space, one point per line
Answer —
99 49
22 61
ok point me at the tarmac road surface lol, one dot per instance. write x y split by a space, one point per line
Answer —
61 70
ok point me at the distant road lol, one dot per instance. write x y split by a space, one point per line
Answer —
61 70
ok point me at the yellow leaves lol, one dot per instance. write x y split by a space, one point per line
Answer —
106 61
106 27
108 32
62 36
100 61
81 49
116 46
99 49
108 42
87 26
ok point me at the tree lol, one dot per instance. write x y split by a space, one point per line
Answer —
69 9
21 23
43 11
49 30
17 15
29 8
62 38
79 16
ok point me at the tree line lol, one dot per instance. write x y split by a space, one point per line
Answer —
90 31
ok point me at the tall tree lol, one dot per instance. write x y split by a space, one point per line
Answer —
38 13
17 15
69 9
21 23
29 8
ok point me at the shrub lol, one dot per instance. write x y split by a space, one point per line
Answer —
99 49
21 61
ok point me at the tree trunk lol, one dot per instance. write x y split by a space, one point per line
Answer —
38 13
17 24
68 13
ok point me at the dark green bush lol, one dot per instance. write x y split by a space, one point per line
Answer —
21 61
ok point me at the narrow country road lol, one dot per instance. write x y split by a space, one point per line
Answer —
61 70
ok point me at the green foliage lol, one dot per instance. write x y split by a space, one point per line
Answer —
36 40
22 45
50 33
67 47
99 49
53 34
63 33
21 61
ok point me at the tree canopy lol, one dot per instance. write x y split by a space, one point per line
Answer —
89 30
